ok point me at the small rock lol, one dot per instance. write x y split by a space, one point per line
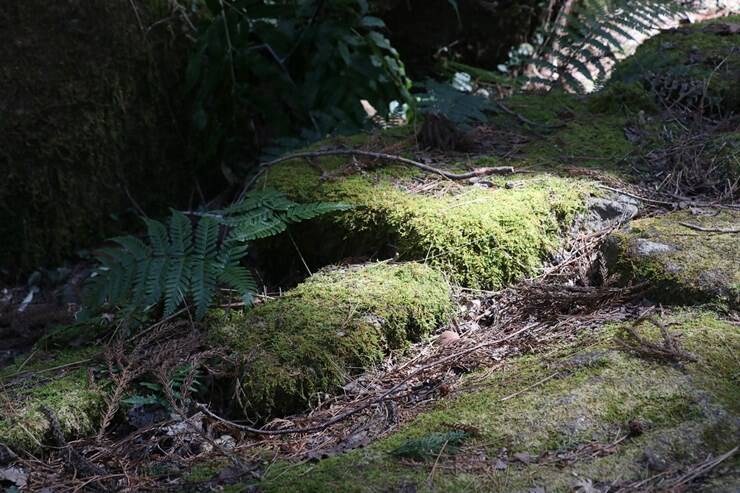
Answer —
523 457
646 248
448 337
609 210
473 306
14 475
146 415
226 441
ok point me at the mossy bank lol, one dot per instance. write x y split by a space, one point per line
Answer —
335 324
685 257
481 237
59 382
549 421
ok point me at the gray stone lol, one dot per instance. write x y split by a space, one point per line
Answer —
610 210
647 248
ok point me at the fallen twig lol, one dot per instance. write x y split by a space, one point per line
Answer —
497 170
487 171
662 483
530 387
670 349
672 204
711 230
699 470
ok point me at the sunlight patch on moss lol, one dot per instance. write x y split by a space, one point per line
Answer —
681 264
686 413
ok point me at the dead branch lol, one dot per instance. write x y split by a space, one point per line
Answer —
670 349
498 170
711 230
478 172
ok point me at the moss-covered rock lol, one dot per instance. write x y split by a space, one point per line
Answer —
336 323
480 237
678 64
550 422
59 382
681 264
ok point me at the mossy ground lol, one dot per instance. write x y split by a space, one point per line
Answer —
696 265
52 381
329 327
687 411
692 55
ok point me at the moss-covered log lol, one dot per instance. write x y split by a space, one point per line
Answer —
335 324
480 237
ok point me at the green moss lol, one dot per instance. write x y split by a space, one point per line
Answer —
686 414
587 131
690 55
481 238
334 324
204 472
67 392
74 335
680 263
586 142
620 97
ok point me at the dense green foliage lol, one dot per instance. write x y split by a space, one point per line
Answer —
179 262
294 67
460 107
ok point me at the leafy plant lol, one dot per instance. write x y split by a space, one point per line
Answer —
461 108
431 445
191 256
151 393
296 67
575 48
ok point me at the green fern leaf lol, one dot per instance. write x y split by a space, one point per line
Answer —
182 263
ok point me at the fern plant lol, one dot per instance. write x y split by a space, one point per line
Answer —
153 393
191 256
579 47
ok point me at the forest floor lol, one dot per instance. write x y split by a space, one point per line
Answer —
569 324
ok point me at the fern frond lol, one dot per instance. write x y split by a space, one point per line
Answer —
303 212
179 262
595 30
